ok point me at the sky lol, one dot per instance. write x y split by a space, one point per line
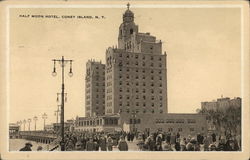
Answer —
202 45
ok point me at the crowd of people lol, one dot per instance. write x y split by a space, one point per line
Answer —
158 141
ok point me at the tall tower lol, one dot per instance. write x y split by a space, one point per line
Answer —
94 89
136 80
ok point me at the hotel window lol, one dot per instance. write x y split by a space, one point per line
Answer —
160 97
152 98
152 77
191 121
160 104
191 129
120 63
169 121
137 103
143 63
144 97
152 71
143 90
127 63
136 70
127 89
137 96
143 71
120 76
153 111
136 63
152 104
152 91
170 129
160 78
127 69
143 57
127 56
127 97
120 82
161 111
120 103
144 104
160 65
127 83
159 58
136 77
179 129
136 90
144 84
136 56
152 84
160 85
127 110
127 76
152 64
152 58
179 121
127 103
136 83
120 89
160 91
143 77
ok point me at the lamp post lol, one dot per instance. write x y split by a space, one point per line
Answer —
24 121
35 119
133 119
62 62
57 113
44 116
29 120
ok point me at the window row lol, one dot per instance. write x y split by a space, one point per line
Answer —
142 77
143 63
143 111
138 104
137 70
128 90
152 84
140 56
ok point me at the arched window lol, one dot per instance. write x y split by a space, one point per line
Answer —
131 31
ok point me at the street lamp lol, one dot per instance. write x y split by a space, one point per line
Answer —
29 120
24 121
35 119
62 62
44 117
57 113
134 119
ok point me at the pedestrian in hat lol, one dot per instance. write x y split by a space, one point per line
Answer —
27 147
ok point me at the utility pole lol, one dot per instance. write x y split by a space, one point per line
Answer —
44 116
62 62
35 119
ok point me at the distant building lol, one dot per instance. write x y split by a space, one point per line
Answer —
14 130
94 89
221 104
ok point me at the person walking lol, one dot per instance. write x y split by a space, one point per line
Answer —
103 143
122 144
110 143
27 147
90 145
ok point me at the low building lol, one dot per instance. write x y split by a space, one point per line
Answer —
221 104
14 130
185 124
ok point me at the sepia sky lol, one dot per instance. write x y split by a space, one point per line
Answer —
202 45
